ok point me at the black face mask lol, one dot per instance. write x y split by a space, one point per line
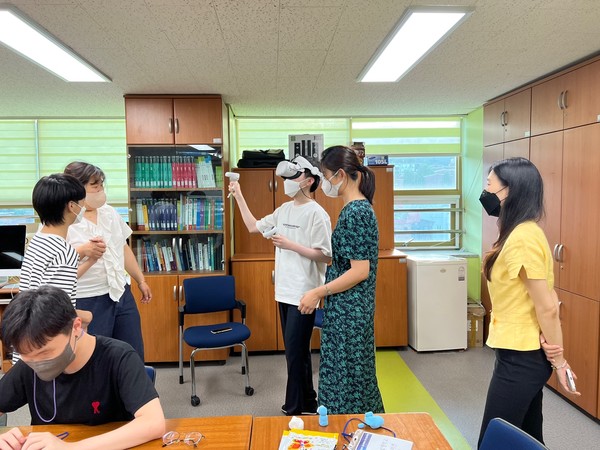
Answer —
490 202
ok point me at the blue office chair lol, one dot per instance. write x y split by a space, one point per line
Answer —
151 373
501 435
208 295
318 320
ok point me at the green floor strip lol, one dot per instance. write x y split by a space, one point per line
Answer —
402 392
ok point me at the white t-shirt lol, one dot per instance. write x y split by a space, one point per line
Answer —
308 225
107 275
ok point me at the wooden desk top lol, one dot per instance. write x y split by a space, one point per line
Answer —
230 432
416 427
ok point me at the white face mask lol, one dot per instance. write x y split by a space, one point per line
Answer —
291 187
80 215
330 189
95 200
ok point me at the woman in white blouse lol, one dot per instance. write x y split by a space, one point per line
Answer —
104 288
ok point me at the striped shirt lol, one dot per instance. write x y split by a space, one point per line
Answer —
50 259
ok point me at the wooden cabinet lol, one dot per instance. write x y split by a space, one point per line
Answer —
507 119
391 306
176 195
254 278
580 325
569 165
566 101
160 322
173 120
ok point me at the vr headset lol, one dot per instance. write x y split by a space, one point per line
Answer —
296 167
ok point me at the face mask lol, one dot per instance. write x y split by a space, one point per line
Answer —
49 369
95 200
330 189
491 202
80 215
291 187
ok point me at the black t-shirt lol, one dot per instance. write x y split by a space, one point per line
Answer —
110 387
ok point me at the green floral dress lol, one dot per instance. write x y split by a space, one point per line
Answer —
347 379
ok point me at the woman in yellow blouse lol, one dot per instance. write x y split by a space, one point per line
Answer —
520 281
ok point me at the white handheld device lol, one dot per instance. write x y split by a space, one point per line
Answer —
232 177
270 233
570 380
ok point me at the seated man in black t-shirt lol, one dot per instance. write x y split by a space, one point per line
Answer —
67 376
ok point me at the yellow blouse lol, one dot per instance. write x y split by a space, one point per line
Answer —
513 322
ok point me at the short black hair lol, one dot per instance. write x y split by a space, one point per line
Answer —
35 316
52 194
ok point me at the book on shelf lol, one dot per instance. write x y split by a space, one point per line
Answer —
307 439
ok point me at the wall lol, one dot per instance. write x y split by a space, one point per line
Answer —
472 185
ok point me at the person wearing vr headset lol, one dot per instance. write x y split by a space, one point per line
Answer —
301 232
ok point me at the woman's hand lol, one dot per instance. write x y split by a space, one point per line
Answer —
562 379
309 301
93 249
552 351
146 292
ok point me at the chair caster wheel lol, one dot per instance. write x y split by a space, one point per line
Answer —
244 370
249 391
181 379
195 400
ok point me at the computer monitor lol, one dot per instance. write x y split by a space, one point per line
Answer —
12 249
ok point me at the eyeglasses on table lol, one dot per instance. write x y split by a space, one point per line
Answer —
173 437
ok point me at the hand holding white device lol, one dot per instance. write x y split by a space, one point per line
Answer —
232 177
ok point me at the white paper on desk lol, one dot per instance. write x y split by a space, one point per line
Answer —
363 440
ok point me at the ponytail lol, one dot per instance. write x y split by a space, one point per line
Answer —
367 183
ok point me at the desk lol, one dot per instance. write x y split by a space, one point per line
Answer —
416 427
232 433
5 296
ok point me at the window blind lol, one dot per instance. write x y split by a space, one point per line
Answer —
391 136
30 149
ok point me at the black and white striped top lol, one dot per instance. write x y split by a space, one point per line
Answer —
50 259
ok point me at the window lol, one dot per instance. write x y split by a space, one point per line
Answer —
425 154
30 149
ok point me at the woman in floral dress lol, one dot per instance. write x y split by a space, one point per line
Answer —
347 378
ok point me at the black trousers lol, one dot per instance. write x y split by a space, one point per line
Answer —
515 392
300 395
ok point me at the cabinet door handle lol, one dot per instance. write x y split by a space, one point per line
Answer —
176 126
502 119
554 254
270 186
505 118
171 126
272 277
564 99
276 185
175 293
181 292
560 253
560 310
